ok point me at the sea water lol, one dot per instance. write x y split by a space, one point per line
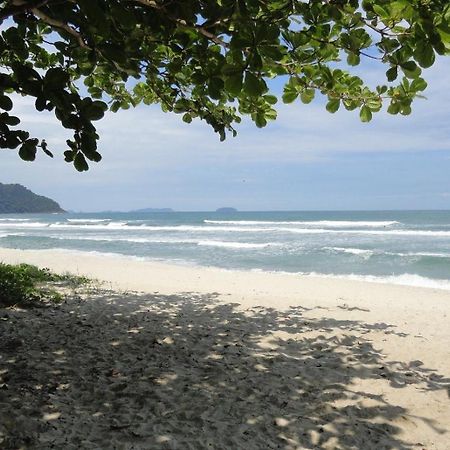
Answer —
405 247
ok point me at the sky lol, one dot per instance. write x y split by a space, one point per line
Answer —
307 160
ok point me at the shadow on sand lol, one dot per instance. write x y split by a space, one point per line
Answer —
178 372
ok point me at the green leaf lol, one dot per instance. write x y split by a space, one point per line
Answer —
45 149
5 103
424 54
405 110
353 59
68 156
394 108
350 104
392 73
289 96
365 114
233 83
11 120
307 96
40 103
333 105
115 106
380 11
187 118
260 120
95 156
215 87
80 162
410 66
56 78
270 114
419 84
27 150
374 104
271 99
253 86
95 111
411 69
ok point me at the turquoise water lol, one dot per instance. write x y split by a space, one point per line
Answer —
407 247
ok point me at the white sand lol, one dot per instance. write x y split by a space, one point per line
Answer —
208 358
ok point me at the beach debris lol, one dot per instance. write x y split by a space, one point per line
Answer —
112 373
281 422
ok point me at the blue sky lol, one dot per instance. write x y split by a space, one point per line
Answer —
307 159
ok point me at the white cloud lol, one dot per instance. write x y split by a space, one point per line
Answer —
146 150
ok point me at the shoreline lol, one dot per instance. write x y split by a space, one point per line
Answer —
364 365
405 279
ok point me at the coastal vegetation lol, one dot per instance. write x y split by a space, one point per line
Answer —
27 285
207 60
15 198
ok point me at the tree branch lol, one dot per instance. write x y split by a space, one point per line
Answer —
182 23
211 36
63 26
18 7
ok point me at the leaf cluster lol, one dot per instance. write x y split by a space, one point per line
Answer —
211 60
26 284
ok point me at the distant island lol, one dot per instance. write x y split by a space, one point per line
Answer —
226 209
145 210
17 199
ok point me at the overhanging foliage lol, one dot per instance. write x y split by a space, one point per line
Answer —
207 59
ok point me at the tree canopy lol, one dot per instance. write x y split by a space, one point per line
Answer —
210 60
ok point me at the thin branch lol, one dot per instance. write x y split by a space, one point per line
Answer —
359 52
213 37
383 32
62 26
182 23
17 9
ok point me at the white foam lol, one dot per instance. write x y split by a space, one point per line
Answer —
352 251
94 252
368 253
245 229
405 279
228 244
143 227
6 235
121 226
430 254
323 223
375 232
88 220
13 220
24 225
125 239
94 226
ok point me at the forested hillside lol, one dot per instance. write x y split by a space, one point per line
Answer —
15 198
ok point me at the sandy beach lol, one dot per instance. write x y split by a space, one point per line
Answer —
160 356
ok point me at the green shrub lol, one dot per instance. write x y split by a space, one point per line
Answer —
26 284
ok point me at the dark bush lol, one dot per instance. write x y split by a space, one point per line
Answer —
23 284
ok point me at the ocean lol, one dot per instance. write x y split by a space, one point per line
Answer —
403 247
